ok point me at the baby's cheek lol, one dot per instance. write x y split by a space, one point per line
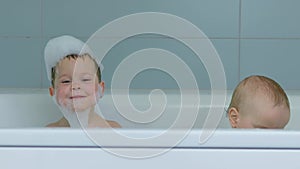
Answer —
245 123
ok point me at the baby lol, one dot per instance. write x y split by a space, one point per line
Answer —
259 102
76 85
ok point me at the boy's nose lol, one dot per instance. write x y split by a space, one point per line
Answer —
75 86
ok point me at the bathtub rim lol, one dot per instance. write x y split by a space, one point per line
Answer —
222 138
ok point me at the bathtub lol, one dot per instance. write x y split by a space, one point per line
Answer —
25 143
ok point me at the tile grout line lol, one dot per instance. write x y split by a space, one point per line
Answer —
41 44
239 41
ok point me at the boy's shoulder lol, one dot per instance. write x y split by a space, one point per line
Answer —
114 124
60 123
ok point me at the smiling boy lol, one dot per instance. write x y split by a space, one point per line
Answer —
76 84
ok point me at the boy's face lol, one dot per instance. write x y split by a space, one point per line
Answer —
76 84
260 112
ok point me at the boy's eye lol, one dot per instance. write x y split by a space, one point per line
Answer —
86 80
65 81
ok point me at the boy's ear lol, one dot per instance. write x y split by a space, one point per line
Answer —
51 91
102 85
233 115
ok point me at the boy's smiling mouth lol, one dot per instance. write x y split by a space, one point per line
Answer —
77 97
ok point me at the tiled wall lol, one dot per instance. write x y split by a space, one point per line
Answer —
251 37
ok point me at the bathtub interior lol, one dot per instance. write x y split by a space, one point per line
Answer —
35 108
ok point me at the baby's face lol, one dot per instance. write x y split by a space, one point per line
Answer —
260 112
76 84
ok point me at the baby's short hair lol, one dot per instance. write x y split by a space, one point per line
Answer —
75 56
262 84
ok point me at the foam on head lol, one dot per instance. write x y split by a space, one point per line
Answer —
59 47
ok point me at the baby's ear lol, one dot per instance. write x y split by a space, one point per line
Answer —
51 91
233 115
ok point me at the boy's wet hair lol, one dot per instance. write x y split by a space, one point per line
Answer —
255 84
75 56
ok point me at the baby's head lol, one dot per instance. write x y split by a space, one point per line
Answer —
259 102
74 74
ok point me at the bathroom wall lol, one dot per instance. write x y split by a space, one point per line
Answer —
250 36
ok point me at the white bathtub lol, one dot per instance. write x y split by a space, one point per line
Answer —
25 143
